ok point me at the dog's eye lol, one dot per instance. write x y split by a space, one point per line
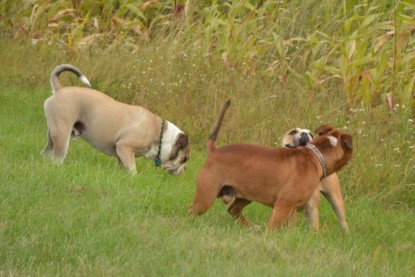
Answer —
293 132
185 159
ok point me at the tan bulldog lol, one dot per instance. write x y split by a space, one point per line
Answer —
281 178
114 128
329 186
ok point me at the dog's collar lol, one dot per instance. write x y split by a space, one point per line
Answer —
157 161
320 157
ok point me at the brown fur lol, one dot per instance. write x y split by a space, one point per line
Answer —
329 186
280 178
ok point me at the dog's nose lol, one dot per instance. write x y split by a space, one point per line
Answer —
304 138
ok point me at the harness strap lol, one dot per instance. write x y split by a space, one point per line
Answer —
320 157
157 161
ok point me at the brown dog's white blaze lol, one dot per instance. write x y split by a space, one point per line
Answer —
281 178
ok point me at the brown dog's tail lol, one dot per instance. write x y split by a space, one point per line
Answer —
54 77
212 138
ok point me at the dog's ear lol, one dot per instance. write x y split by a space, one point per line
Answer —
323 129
347 141
182 141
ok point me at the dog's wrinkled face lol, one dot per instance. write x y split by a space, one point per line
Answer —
296 137
336 145
179 156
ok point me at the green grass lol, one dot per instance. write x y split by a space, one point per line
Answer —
296 64
89 217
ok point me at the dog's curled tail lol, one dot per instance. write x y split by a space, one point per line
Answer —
212 138
54 77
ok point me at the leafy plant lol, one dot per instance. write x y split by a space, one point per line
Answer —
366 47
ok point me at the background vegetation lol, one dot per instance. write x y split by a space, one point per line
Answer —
367 47
283 64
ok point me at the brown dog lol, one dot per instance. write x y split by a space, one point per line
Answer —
281 178
329 186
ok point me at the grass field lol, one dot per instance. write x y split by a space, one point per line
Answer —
284 64
90 218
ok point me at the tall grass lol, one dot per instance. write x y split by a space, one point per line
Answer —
365 47
188 90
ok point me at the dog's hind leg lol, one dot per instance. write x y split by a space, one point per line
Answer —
60 144
235 209
49 146
59 131
207 190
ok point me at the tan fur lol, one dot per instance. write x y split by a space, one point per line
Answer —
281 178
329 186
115 128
